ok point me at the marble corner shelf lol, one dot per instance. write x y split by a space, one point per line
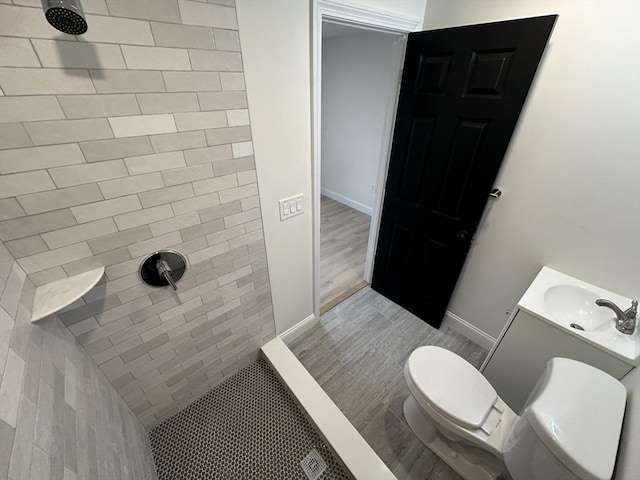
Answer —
54 296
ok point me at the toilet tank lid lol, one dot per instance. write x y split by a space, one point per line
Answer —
452 385
577 412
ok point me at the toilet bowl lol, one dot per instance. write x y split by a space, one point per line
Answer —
569 428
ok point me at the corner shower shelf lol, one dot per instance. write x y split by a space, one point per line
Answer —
54 296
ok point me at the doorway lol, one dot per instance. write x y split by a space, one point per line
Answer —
359 76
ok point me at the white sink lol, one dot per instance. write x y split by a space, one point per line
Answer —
569 304
576 307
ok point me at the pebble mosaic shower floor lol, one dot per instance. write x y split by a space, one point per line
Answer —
248 427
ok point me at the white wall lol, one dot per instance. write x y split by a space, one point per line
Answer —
275 38
571 176
276 52
357 79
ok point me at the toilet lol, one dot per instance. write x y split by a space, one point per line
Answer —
569 427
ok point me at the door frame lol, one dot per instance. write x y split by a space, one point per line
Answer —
346 13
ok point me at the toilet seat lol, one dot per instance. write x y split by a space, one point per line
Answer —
451 385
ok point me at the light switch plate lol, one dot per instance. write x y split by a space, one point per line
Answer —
291 207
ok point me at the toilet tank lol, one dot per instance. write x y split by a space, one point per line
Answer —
569 427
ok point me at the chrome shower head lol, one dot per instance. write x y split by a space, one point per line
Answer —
65 15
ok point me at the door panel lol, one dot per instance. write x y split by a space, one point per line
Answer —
460 98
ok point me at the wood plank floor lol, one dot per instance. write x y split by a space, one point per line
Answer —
357 354
344 234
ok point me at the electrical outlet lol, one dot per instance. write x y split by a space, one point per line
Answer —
291 207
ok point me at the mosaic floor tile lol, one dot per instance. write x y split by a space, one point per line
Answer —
248 427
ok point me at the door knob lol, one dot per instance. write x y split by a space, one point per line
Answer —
462 235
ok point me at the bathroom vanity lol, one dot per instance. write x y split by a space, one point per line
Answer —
546 323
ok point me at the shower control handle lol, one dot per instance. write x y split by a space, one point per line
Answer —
164 271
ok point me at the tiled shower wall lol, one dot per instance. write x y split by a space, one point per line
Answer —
132 138
59 416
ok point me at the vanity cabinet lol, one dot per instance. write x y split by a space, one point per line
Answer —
521 353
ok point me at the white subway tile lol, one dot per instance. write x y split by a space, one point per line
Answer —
166 195
13 135
142 125
92 106
174 224
88 173
61 198
160 10
207 253
11 387
222 100
232 81
236 118
183 36
196 203
154 163
158 242
156 58
29 109
196 13
168 102
44 81
215 184
143 217
116 148
191 81
200 120
219 136
35 224
54 258
106 208
127 81
215 61
117 30
24 247
177 176
207 154
238 193
95 6
79 233
39 158
27 22
67 131
132 184
227 40
242 217
242 149
54 54
247 177
24 183
17 52
10 208
178 141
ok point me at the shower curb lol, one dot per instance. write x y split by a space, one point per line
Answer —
348 445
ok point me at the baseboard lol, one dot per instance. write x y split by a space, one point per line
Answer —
347 201
472 332
298 329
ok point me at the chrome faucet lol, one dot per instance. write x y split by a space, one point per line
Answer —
625 321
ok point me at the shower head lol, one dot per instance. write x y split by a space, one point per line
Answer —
65 15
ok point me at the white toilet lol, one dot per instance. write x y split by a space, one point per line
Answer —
569 428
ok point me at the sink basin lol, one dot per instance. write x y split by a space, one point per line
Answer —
569 304
576 307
